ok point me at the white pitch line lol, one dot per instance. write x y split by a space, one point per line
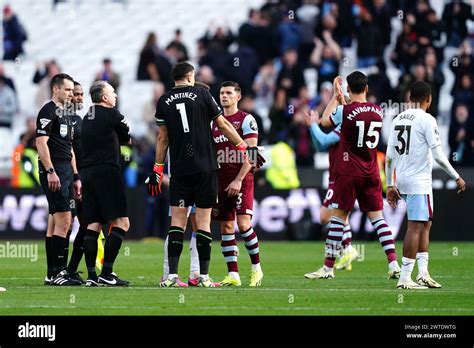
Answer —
233 308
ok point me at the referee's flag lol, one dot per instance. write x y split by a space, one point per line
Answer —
100 251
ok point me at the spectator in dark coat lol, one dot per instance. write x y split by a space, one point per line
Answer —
455 15
291 76
148 55
461 139
14 35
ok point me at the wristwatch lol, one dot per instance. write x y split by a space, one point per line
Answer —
50 170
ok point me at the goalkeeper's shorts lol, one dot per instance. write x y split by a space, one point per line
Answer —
199 189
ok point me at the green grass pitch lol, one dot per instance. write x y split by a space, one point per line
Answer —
362 291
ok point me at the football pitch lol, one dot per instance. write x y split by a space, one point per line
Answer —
363 291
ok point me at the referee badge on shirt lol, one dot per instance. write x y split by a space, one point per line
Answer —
63 130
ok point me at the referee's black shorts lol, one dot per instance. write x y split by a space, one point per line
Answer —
103 194
58 201
199 189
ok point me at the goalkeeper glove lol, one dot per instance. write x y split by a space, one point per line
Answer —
255 158
153 182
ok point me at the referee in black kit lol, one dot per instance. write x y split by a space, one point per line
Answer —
58 173
76 106
184 115
103 131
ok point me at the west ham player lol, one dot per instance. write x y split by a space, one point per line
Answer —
236 187
330 141
356 172
413 142
184 114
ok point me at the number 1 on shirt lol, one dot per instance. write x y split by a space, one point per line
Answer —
184 117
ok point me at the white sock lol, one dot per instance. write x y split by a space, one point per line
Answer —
234 275
166 267
171 276
327 269
422 261
256 267
407 268
393 265
194 268
348 248
204 276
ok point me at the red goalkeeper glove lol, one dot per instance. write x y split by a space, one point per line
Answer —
153 182
255 158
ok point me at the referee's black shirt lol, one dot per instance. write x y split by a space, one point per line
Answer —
103 131
55 123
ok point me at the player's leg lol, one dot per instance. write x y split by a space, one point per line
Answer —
422 255
244 208
230 251
174 243
204 196
349 254
203 245
387 242
166 267
252 246
422 258
193 278
417 217
325 215
343 203
369 196
410 247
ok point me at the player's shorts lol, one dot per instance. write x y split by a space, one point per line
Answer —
199 189
366 189
227 207
329 198
419 207
103 194
58 201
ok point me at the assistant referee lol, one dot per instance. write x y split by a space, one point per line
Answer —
104 129
57 170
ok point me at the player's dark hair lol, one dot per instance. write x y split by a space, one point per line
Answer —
180 71
76 83
357 82
58 80
232 84
419 91
96 91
